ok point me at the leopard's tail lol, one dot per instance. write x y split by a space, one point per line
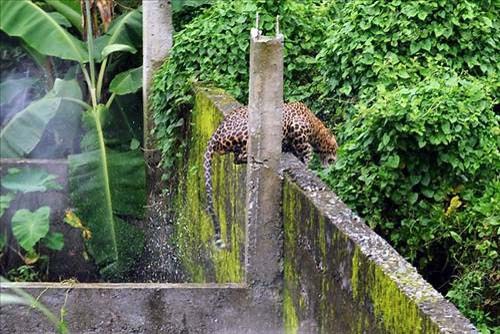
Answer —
207 165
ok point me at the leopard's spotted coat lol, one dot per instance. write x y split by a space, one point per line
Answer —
303 133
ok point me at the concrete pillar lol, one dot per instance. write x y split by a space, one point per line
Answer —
157 32
264 232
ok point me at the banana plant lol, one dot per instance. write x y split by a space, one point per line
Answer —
106 185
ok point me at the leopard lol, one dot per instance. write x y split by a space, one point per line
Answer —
303 134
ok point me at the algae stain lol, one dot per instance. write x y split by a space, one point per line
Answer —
398 313
355 273
194 230
290 315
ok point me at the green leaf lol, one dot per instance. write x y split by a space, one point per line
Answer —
29 180
5 202
24 131
29 227
429 193
134 144
109 49
10 299
346 89
179 5
412 198
71 9
124 30
104 183
54 241
127 82
40 31
393 161
456 237
12 88
60 19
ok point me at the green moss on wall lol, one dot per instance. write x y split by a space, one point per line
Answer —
194 230
395 311
355 273
290 315
338 309
399 313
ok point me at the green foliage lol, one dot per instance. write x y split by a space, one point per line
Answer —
24 273
104 184
476 293
373 43
10 89
183 11
29 180
40 30
29 227
421 164
4 204
127 82
24 131
214 47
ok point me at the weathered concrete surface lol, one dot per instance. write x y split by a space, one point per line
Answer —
341 277
67 263
201 260
136 308
157 35
264 238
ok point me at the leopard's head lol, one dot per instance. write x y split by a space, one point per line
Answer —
328 149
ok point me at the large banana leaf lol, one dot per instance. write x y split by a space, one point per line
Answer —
71 9
38 29
24 131
105 184
127 82
10 89
125 30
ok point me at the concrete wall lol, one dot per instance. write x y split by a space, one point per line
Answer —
340 277
194 232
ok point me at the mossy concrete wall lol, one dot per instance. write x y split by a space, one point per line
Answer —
340 277
201 260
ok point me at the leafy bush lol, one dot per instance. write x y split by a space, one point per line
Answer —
214 47
476 291
421 164
380 42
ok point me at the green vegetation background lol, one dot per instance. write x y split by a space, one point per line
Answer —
411 91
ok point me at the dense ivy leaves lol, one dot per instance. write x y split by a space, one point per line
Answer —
214 48
421 164
379 42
